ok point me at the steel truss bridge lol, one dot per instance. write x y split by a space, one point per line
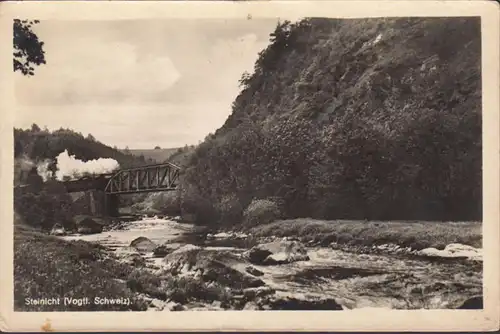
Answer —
150 178
143 179
161 177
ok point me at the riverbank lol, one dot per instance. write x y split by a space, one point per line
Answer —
48 267
359 234
163 265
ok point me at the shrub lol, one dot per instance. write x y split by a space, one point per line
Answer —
198 207
261 211
229 210
43 209
168 203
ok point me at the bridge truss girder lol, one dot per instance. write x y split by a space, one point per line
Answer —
152 178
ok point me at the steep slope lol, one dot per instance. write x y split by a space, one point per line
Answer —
354 119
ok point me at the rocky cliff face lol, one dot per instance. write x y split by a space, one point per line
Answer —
353 119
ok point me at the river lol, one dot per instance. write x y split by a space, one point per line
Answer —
393 281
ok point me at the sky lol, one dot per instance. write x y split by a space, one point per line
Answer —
140 83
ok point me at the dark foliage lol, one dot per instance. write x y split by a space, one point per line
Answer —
39 145
28 49
374 119
41 204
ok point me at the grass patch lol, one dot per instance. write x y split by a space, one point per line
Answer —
417 235
48 267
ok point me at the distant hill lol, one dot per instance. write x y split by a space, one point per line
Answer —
177 155
157 155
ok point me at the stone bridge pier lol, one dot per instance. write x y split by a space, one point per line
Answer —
101 204
111 203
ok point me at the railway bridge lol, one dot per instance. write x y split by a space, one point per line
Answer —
105 189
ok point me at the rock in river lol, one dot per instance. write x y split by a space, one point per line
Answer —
277 252
165 249
212 265
143 244
87 225
253 271
130 256
161 251
454 251
58 230
252 293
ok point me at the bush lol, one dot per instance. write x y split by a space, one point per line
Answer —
43 209
198 208
168 203
229 210
261 211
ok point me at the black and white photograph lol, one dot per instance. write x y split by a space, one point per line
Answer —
247 164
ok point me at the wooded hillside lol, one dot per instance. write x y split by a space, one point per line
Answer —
374 119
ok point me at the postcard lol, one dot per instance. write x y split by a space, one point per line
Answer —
251 165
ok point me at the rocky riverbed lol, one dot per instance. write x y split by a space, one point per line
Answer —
236 271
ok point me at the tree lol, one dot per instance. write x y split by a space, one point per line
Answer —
157 148
28 49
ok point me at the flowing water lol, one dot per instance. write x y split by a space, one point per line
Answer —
354 280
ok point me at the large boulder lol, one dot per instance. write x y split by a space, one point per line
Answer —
87 225
277 252
143 244
252 293
454 251
165 249
58 230
130 256
253 271
210 266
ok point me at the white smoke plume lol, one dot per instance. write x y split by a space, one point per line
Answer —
42 169
69 166
24 163
22 166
